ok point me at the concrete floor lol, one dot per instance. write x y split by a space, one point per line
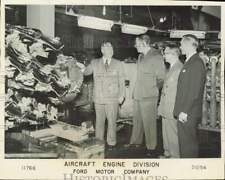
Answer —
209 145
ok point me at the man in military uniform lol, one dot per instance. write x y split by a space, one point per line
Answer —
150 75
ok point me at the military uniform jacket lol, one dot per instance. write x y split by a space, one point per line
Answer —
150 70
190 88
108 84
169 90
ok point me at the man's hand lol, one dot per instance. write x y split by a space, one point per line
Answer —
183 117
81 66
121 100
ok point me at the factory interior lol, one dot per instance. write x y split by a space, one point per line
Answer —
38 125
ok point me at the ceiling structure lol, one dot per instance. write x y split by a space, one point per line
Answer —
155 17
206 18
159 19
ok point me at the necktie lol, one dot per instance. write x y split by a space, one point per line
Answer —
106 64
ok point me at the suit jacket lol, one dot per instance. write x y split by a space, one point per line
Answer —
168 95
190 88
109 84
150 71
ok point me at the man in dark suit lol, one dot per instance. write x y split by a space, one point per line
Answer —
189 97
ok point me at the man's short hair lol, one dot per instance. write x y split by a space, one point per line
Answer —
145 38
105 43
193 38
175 48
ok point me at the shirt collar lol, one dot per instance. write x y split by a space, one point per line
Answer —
142 56
189 57
148 51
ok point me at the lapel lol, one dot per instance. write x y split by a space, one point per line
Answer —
102 65
190 61
173 69
148 55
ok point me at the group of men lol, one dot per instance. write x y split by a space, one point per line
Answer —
180 102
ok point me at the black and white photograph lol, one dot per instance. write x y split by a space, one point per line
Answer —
112 81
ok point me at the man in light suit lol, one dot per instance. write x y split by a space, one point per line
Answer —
166 106
150 75
108 93
188 104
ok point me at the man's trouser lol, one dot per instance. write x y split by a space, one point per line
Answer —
170 138
188 140
109 111
144 122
